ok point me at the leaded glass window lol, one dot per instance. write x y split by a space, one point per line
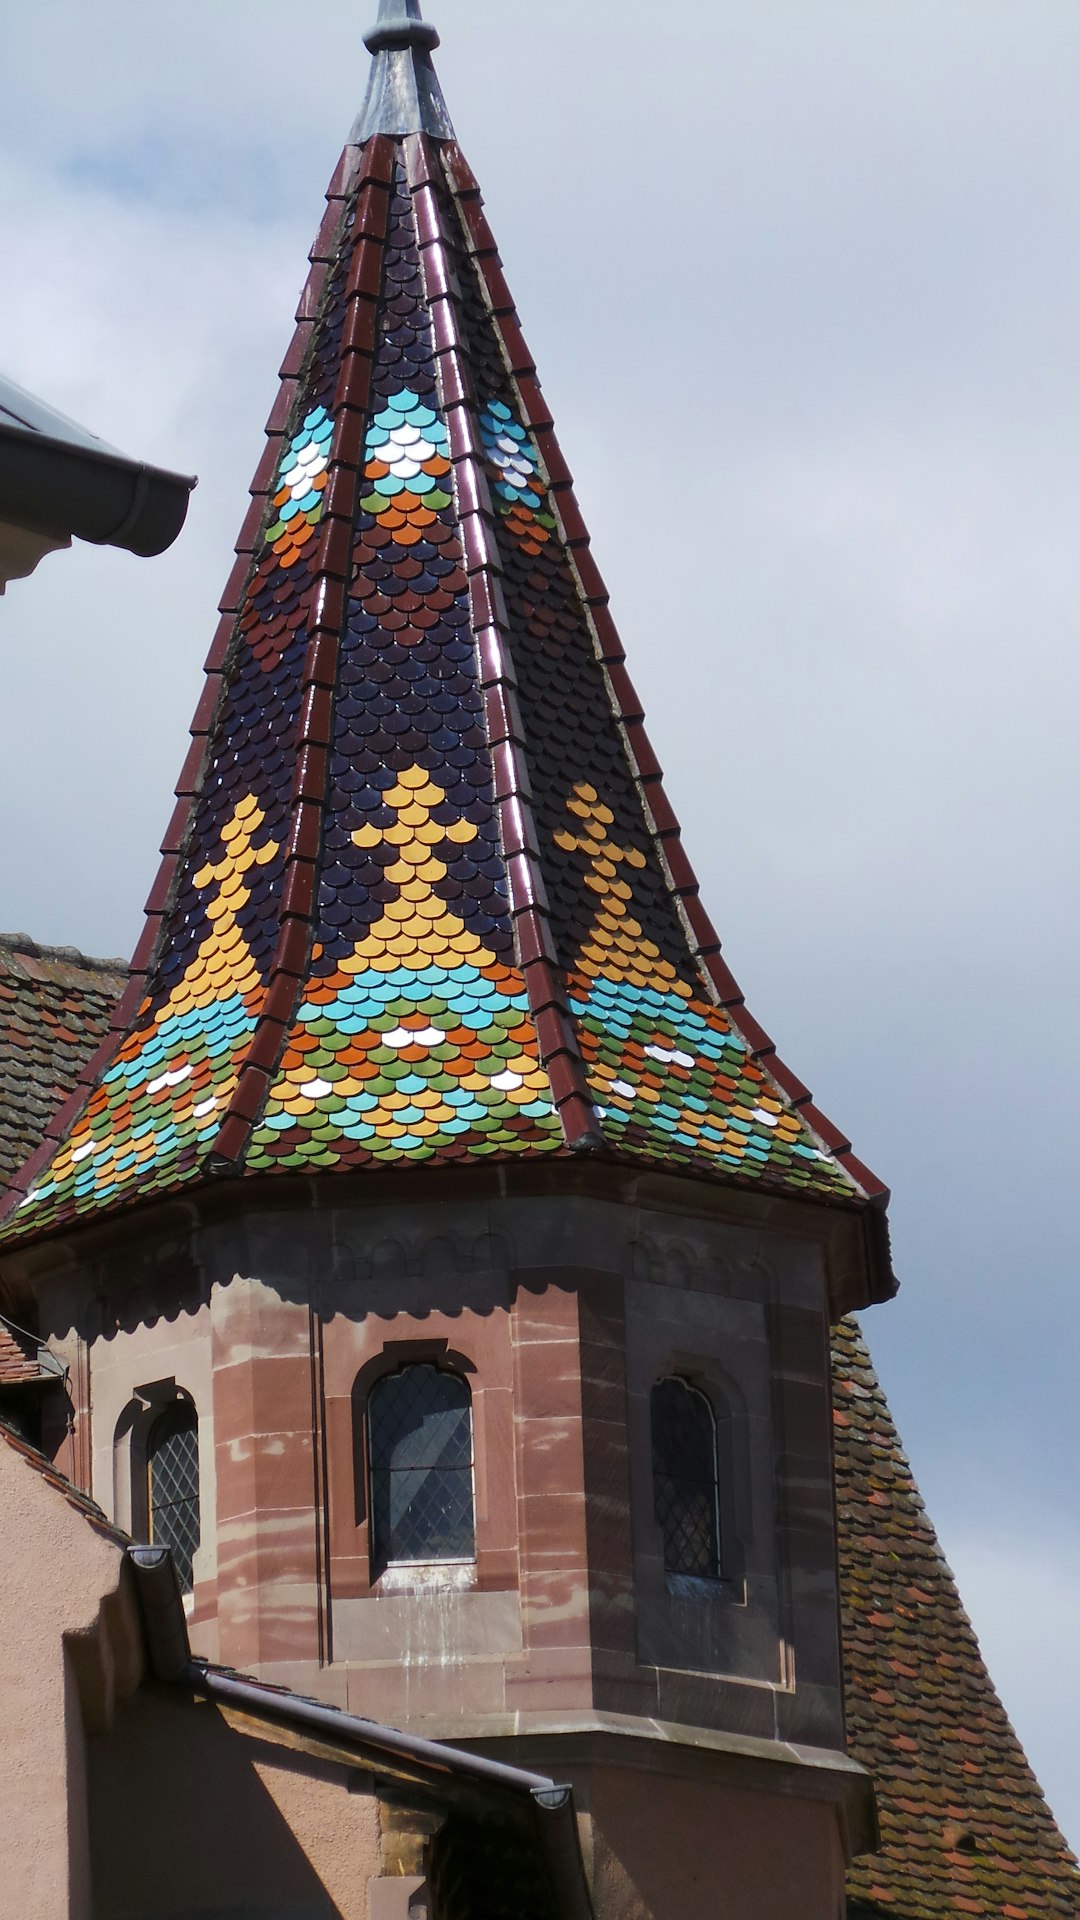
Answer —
172 1460
685 1490
421 1464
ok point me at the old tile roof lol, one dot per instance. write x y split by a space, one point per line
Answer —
965 1828
18 1356
963 1819
54 1012
424 898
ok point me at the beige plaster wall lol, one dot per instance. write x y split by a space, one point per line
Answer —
54 1570
226 1822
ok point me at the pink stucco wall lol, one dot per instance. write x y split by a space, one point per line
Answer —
191 1815
54 1572
121 1798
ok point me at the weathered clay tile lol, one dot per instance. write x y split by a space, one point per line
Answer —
964 1825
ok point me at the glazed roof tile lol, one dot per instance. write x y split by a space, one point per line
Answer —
424 898
964 1825
914 1674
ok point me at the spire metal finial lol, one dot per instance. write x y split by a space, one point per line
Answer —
400 25
404 95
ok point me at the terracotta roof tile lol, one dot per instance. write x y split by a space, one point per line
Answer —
54 1012
18 1357
965 1828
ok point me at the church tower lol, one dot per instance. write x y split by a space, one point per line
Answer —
441 1258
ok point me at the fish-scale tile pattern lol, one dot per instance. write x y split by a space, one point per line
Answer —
965 1828
413 1035
671 1076
55 1007
155 1110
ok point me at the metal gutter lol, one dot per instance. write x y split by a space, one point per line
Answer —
61 488
444 1772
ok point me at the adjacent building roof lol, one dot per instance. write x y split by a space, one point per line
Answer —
19 1363
55 1007
965 1827
58 483
424 898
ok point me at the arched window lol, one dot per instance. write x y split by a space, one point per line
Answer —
172 1473
420 1459
685 1479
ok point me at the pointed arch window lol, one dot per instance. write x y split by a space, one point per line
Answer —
420 1464
686 1494
172 1472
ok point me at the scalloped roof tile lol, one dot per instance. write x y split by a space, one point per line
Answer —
424 898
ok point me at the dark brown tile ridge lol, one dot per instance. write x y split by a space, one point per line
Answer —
20 946
556 1036
291 958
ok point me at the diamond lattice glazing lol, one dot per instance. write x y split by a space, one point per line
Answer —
420 1453
173 1463
685 1492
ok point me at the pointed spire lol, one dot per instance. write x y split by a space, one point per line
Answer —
404 95
424 899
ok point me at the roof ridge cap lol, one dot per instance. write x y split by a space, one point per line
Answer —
22 943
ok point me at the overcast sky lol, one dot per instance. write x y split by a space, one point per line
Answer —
803 283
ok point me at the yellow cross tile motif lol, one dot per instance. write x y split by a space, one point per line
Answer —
668 1070
223 963
164 1096
418 927
420 1039
617 946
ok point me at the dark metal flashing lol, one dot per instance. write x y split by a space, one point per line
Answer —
404 95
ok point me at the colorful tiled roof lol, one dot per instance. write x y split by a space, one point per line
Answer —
965 1828
54 1012
423 898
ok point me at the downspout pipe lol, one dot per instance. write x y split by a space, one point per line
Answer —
438 1769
